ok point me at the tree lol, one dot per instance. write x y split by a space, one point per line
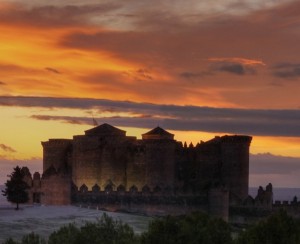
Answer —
27 239
195 228
16 188
279 228
104 231
66 234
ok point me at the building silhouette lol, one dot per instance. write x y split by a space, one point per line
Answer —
104 167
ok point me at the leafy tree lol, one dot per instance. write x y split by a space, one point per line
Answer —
32 239
10 241
27 239
193 228
15 188
105 231
279 228
66 234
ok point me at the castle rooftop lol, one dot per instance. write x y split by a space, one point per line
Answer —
158 133
105 130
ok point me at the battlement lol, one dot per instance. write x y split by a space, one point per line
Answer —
56 142
286 204
236 139
155 166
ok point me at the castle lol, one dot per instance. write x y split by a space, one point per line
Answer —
114 171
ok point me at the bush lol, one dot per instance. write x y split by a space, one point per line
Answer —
105 231
193 228
279 228
67 234
27 239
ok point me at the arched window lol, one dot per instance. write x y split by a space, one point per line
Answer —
133 189
121 188
83 189
157 189
95 188
146 189
108 188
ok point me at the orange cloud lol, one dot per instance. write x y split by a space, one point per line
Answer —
243 61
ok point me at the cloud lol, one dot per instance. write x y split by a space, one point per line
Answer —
186 118
286 70
55 71
235 65
66 119
238 60
191 75
237 69
267 163
53 16
2 83
222 43
281 171
7 148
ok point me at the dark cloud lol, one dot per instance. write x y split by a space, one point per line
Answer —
52 70
281 171
234 68
7 148
65 119
208 124
273 164
286 70
54 16
2 83
223 120
139 75
191 75
237 69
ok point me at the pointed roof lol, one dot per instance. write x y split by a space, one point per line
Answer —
158 133
105 130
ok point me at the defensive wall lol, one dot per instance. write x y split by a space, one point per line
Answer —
106 164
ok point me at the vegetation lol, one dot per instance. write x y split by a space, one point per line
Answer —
27 239
194 228
15 188
277 229
105 231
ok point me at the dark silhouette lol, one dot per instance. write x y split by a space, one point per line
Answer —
16 188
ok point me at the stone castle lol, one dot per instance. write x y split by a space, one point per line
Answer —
106 168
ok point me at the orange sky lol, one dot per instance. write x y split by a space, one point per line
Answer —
147 64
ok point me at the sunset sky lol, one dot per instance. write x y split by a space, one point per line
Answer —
197 68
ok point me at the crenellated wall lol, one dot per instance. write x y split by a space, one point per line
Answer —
105 159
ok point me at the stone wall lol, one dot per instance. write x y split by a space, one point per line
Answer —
56 190
105 159
56 153
235 164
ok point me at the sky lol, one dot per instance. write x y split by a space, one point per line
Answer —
197 68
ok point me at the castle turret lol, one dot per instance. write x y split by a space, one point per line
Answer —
158 134
235 164
100 156
55 152
160 158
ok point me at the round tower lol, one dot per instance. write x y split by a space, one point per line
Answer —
235 164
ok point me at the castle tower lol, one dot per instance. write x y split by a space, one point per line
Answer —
99 157
55 152
159 158
235 164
